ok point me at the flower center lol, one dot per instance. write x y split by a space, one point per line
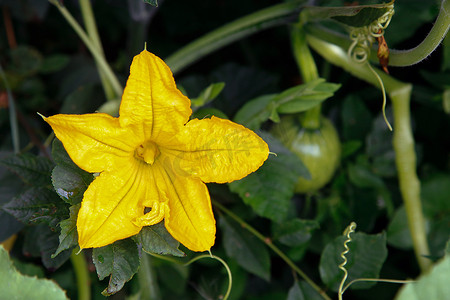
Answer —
148 152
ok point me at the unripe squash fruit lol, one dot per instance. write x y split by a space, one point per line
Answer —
319 149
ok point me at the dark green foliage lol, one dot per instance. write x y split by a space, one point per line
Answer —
254 82
33 170
37 205
269 190
70 182
156 239
248 251
365 259
119 260
13 283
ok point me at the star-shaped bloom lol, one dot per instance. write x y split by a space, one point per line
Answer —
153 161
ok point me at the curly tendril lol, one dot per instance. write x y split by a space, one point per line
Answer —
363 38
349 230
210 255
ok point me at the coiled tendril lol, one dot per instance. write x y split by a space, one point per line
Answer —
363 38
349 230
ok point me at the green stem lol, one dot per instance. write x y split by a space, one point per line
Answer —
231 32
401 58
91 28
397 58
337 56
227 268
406 165
102 64
81 274
12 114
310 119
403 141
274 248
303 57
147 280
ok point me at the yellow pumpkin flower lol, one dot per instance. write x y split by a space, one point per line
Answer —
154 162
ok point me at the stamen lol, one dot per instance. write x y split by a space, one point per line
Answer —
148 152
153 217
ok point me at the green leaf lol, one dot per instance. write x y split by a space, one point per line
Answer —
32 169
68 237
70 182
54 63
60 155
294 100
156 239
14 285
303 291
84 99
362 177
25 60
70 185
435 193
295 292
10 186
48 242
432 285
294 232
208 112
249 252
356 118
398 234
152 2
365 259
255 112
29 269
350 147
306 96
208 95
41 241
355 16
173 276
120 260
37 205
269 190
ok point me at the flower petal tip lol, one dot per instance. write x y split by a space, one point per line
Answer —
42 116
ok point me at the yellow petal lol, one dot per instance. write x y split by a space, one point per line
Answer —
113 202
93 141
151 101
216 150
189 218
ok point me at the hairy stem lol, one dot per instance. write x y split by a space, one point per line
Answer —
397 58
274 248
99 58
405 159
275 15
403 141
149 289
82 275
401 58
91 28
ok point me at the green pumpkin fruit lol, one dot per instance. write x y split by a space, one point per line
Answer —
319 149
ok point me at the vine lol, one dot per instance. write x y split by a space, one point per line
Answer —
347 232
363 39
210 255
